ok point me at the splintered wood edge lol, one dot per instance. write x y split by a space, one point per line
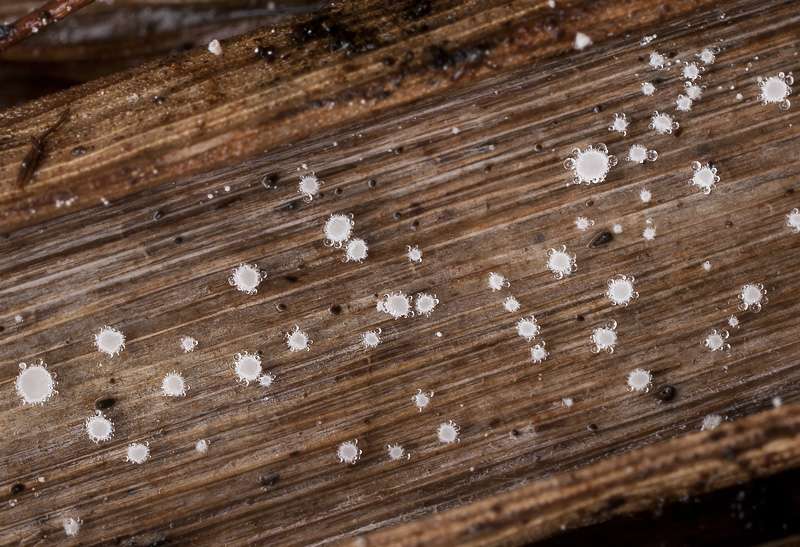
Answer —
753 447
187 115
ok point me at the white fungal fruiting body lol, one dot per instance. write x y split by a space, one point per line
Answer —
421 399
583 223
309 186
528 328
649 233
560 262
397 452
110 341
397 304
173 385
733 322
246 278
752 296
617 228
247 366
639 153
414 254
683 103
639 380
72 526
645 195
657 60
214 47
538 353
567 402
708 55
706 266
716 341
356 250
137 453
425 303
348 452
620 290
605 338
691 71
99 428
776 90
663 123
338 229
511 304
793 220
297 340
447 432
201 446
188 344
705 177
371 339
648 88
266 379
694 91
710 422
582 41
34 383
591 165
497 281
620 124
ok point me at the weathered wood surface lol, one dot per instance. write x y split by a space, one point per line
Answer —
491 197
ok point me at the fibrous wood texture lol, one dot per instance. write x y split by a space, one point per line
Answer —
461 115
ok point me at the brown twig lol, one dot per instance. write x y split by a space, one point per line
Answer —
36 20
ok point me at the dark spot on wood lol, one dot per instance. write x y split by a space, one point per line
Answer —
671 54
112 381
336 309
640 59
597 109
667 393
603 238
728 223
579 318
397 215
337 191
269 181
17 488
789 191
539 238
105 404
591 427
291 278
589 202
291 206
388 62
5 30
415 225
372 183
159 542
398 150
178 240
45 17
537 147
78 150
158 100
281 307
514 433
272 480
158 215
294 453
678 132
487 168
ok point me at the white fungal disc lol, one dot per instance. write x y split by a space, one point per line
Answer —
356 250
793 220
173 385
639 380
422 399
716 341
371 338
138 453
776 90
663 123
538 353
397 452
348 452
247 366
591 165
34 383
338 229
110 341
752 296
425 303
297 340
309 186
528 328
447 432
414 254
705 177
497 281
605 338
246 278
560 262
397 304
620 290
99 428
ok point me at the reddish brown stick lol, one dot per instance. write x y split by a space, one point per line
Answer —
36 20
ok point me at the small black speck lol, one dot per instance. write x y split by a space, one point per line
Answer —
294 453
603 238
178 240
597 109
259 352
678 132
671 54
269 181
538 238
281 307
158 100
487 168
45 17
272 480
336 309
514 433
105 404
157 215
640 59
388 62
728 223
589 202
667 393
537 147
372 183
337 191
398 150
397 216
78 150
112 381
790 191
579 318
291 278
415 225
591 427
17 488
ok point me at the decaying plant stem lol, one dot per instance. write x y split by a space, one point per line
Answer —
36 20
